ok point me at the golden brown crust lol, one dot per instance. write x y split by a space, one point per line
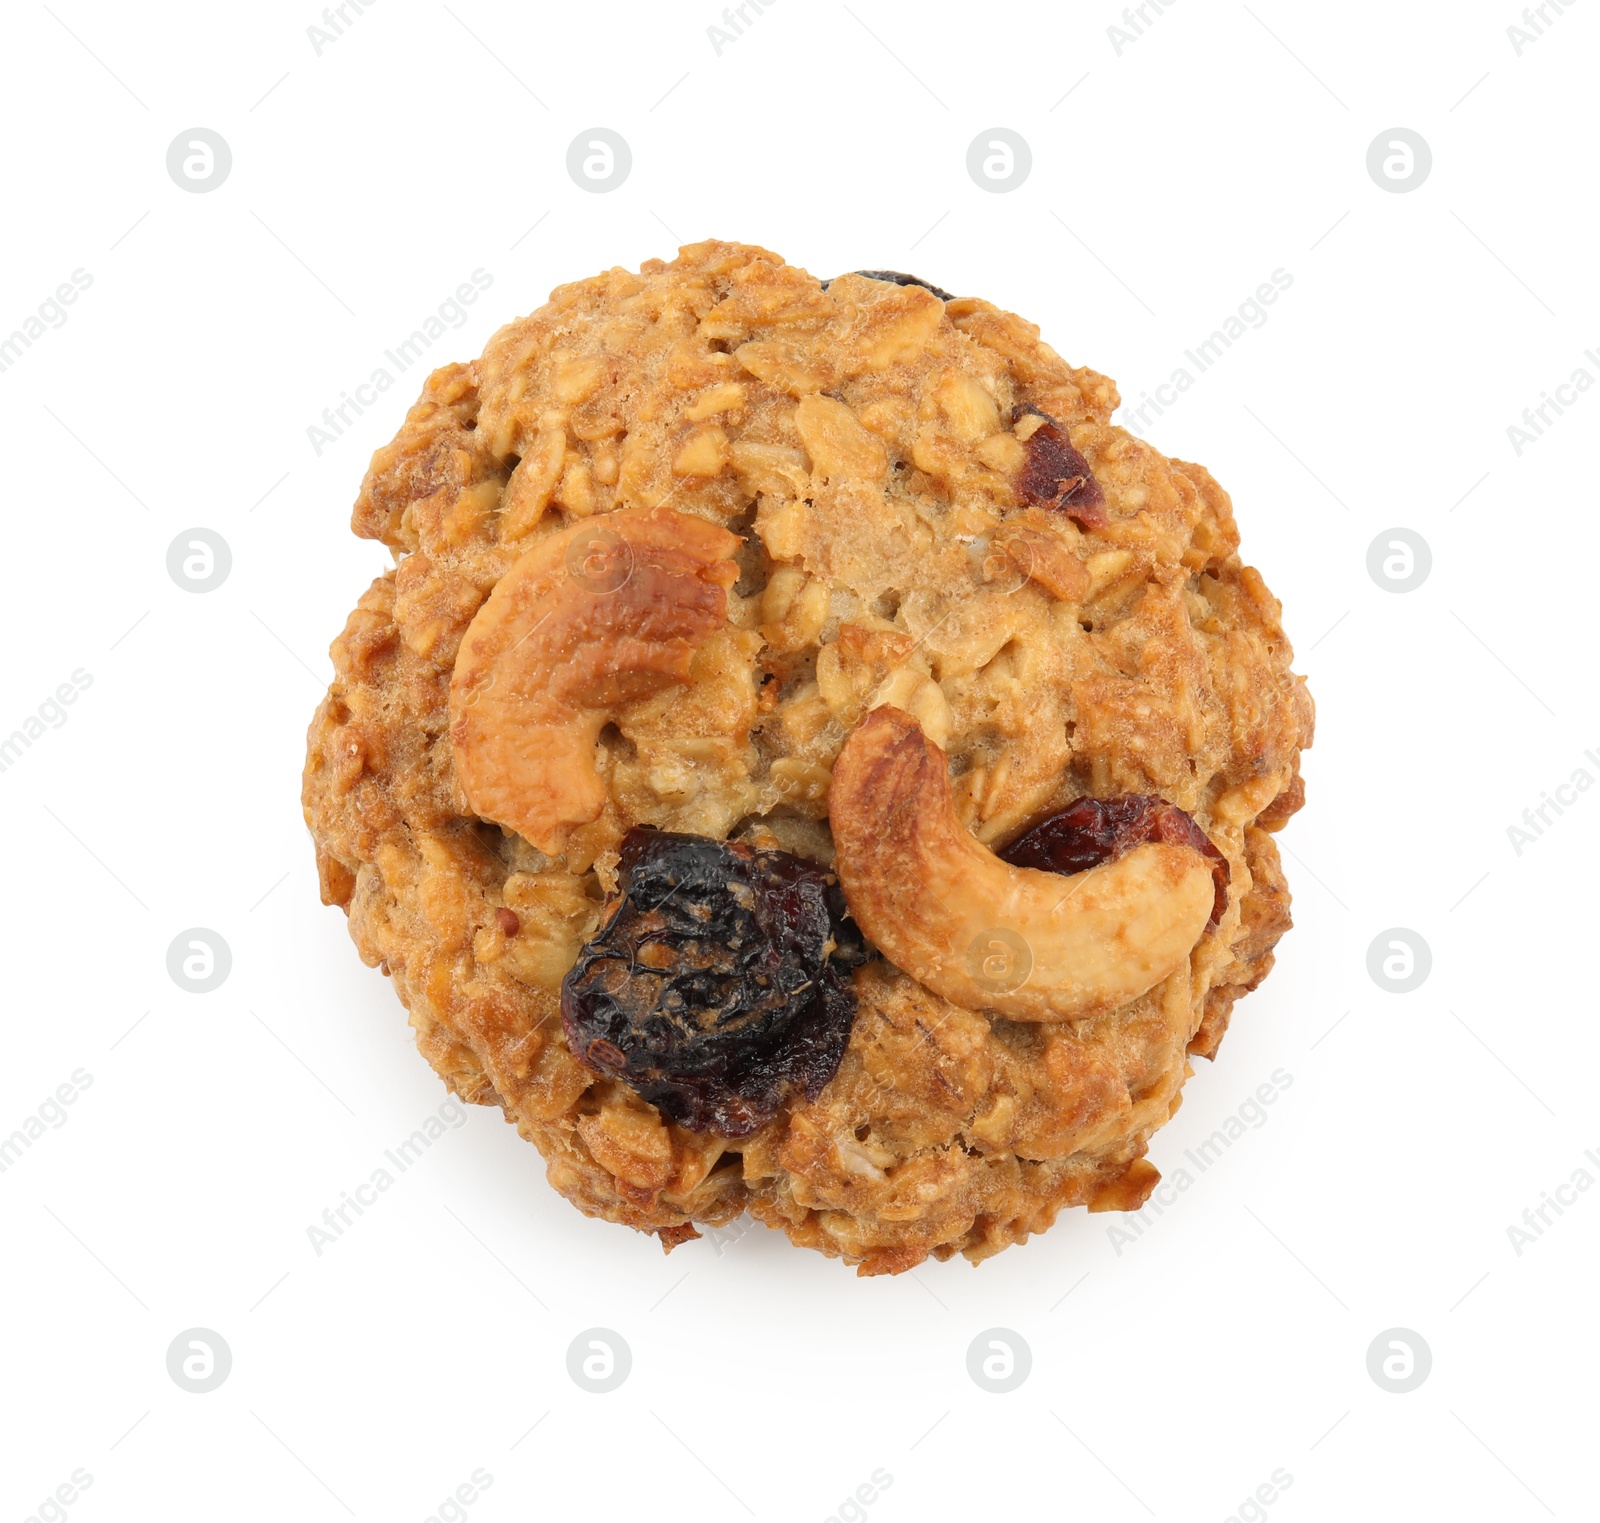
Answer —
1263 920
861 443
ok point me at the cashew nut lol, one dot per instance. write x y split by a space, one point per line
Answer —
1027 944
601 613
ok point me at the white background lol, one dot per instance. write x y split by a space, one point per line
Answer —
1168 1380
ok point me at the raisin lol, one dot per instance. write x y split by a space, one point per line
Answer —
717 987
1091 831
1055 475
896 278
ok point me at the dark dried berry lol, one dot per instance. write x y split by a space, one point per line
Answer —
896 278
1091 831
1055 475
718 986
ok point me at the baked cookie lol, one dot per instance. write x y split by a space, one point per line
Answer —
806 760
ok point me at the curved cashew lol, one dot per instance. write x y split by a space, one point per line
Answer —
606 611
1030 945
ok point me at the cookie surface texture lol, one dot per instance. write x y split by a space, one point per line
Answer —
864 583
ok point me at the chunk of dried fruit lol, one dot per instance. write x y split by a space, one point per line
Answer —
1091 831
896 278
718 986
1055 475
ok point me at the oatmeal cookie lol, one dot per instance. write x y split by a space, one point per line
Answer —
806 760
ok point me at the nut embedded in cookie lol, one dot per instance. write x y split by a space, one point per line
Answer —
589 618
1026 944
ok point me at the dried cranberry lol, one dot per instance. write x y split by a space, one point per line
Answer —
1055 475
897 278
1091 831
718 986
